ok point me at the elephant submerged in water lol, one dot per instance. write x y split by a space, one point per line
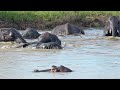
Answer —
54 68
48 37
112 27
45 41
11 34
67 29
30 33
50 45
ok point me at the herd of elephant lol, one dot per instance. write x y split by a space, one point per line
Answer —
48 40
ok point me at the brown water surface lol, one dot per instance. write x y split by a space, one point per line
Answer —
90 56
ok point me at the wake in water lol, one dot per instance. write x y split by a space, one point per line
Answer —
4 45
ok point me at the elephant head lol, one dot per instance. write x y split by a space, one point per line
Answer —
10 34
112 27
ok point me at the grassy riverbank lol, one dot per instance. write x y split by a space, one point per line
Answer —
50 19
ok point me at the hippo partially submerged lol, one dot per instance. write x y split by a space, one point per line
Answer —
67 29
54 68
10 34
45 41
30 33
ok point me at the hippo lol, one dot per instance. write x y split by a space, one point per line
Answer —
112 27
30 33
45 41
54 68
11 34
67 29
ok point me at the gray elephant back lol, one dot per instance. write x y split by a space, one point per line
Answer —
60 30
72 29
67 29
48 37
30 33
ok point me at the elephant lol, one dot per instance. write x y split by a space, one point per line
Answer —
112 27
48 37
45 41
54 68
30 33
49 45
67 29
11 34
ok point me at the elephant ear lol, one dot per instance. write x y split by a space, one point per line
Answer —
106 25
118 25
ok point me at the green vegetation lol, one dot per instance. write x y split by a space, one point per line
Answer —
49 19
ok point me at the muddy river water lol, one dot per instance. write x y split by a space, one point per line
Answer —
90 56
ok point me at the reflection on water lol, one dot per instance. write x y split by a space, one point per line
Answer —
89 56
